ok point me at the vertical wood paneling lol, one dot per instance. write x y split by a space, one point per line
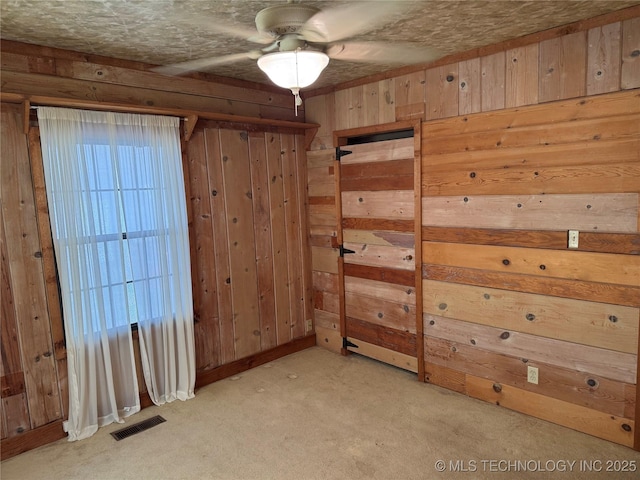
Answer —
603 59
205 294
370 104
442 92
349 107
410 89
244 277
279 238
470 85
356 106
10 362
321 110
305 247
493 73
387 101
217 191
294 257
522 76
15 415
563 67
630 54
342 98
26 272
54 303
262 231
250 242
410 96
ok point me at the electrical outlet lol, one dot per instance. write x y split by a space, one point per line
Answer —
532 374
573 238
309 325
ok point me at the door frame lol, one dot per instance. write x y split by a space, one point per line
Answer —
340 139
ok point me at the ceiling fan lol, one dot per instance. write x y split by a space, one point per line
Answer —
299 39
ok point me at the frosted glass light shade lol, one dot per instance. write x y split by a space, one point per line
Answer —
296 69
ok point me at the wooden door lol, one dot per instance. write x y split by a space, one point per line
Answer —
377 266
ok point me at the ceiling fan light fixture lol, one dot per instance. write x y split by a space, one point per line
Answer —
294 69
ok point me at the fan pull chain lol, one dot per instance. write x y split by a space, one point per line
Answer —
296 93
298 99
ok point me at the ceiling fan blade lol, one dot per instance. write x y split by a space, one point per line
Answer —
345 21
204 63
250 34
224 27
381 52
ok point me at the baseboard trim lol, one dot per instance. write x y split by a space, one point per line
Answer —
223 371
32 439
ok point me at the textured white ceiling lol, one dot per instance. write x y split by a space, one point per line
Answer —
168 31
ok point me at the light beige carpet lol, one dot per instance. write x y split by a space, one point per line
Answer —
318 415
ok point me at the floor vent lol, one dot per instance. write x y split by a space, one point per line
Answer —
138 427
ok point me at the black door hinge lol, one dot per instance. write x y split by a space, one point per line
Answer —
346 343
342 153
345 251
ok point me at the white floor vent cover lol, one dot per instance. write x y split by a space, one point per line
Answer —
138 427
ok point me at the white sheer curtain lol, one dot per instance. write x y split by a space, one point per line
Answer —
118 217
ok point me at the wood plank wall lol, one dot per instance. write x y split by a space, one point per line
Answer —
534 138
247 206
249 245
42 71
30 389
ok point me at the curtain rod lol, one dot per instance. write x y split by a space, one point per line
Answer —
35 107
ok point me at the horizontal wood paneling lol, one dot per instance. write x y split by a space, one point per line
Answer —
622 177
617 151
586 130
604 292
378 237
388 204
588 241
571 110
388 275
382 312
580 388
603 267
589 323
614 212
383 336
32 70
603 362
380 290
528 158
594 422
391 357
401 149
380 256
394 225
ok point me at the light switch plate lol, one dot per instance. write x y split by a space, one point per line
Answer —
574 235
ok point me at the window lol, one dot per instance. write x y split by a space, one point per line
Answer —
128 233
115 191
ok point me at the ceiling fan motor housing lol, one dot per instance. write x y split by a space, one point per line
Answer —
284 19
